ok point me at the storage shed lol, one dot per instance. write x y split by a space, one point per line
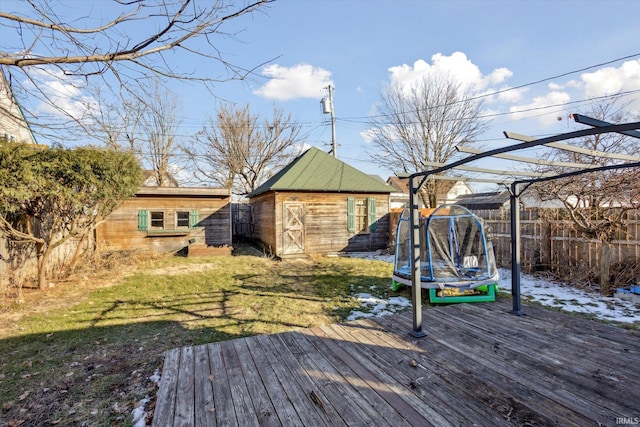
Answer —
320 205
168 219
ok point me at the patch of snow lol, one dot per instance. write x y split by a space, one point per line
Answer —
378 307
377 255
139 415
155 378
572 299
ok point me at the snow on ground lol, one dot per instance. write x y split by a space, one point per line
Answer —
378 307
139 415
545 292
571 299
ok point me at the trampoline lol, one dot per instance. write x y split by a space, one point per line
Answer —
456 256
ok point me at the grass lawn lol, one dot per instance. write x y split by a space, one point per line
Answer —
83 352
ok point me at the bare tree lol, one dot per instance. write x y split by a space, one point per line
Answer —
160 123
597 203
115 122
143 123
63 42
417 125
237 150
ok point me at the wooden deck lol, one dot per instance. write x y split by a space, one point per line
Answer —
478 366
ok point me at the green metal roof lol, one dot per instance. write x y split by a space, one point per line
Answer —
315 170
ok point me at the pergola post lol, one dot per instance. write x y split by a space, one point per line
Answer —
514 200
414 245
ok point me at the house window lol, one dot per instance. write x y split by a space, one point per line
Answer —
157 219
182 219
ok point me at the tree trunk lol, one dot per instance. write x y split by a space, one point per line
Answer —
42 254
76 255
605 264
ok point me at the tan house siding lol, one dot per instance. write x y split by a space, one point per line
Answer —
13 126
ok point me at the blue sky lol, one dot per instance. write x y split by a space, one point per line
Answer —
361 46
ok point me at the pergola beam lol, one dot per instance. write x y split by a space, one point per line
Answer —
585 120
490 171
566 147
471 179
470 150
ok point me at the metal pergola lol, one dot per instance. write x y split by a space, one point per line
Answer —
517 187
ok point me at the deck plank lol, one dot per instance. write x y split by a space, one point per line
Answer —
204 403
290 382
245 412
397 393
166 398
482 379
478 365
386 411
223 403
185 399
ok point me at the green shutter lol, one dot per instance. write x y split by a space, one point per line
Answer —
372 214
143 220
351 214
193 218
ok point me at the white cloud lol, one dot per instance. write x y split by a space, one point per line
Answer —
610 80
510 96
299 81
537 107
499 75
65 95
457 66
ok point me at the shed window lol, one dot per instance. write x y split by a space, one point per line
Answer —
361 214
157 219
182 219
362 217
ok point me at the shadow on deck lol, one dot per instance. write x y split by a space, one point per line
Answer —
478 365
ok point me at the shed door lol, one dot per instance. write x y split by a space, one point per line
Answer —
293 228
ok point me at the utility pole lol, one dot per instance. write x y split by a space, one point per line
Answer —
327 107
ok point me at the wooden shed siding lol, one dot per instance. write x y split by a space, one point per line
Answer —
120 231
264 227
325 218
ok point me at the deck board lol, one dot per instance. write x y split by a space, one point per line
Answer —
204 403
478 365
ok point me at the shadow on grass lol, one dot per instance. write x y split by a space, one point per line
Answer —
87 376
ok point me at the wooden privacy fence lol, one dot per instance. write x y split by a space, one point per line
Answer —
550 243
242 222
14 271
